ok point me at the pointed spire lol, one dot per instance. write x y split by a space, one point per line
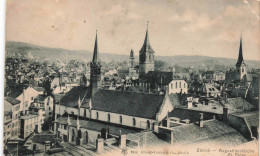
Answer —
240 55
131 53
146 46
68 122
96 55
78 125
79 102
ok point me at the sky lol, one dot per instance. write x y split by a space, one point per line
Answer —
176 27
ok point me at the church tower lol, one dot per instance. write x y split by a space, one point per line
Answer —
95 75
146 57
131 63
240 65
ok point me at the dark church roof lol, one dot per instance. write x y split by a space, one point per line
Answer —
72 97
127 103
159 77
240 60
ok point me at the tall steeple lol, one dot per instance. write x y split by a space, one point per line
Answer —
95 65
240 65
240 60
146 56
96 55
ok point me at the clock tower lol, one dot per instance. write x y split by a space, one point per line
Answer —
146 57
95 74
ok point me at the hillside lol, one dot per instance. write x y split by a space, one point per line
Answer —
52 54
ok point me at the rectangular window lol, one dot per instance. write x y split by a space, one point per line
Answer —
184 85
85 112
180 85
176 85
171 86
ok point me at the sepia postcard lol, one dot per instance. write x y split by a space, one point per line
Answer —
131 78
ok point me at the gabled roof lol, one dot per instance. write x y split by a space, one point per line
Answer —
175 99
127 103
72 97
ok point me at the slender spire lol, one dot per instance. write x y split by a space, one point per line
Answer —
240 55
146 46
96 55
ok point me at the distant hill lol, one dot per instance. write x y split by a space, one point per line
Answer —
53 54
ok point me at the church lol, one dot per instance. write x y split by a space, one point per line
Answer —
86 113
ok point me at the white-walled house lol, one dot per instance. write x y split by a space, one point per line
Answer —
26 96
178 86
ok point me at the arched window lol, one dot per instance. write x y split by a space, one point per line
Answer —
180 85
108 117
134 122
176 85
97 115
148 124
121 119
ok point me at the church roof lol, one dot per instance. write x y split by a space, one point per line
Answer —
72 97
146 46
127 103
159 77
240 60
96 55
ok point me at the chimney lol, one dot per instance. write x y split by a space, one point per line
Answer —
225 114
99 145
123 141
189 105
201 119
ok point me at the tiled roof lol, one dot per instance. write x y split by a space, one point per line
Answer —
251 117
97 126
29 116
72 97
128 103
238 103
175 100
12 100
40 97
212 131
193 116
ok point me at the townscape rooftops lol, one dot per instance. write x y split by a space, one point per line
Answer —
72 97
251 117
127 103
97 126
